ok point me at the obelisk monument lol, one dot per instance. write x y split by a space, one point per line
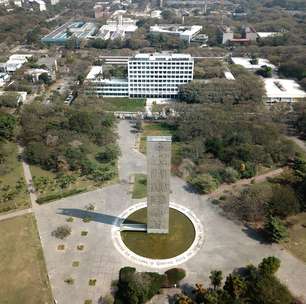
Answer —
158 183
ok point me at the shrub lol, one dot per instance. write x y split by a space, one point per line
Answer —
269 265
175 275
230 175
108 153
69 281
283 202
92 282
55 196
108 299
203 183
61 232
137 287
275 229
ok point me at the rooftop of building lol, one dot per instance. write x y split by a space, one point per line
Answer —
246 63
283 88
162 56
176 28
94 71
79 29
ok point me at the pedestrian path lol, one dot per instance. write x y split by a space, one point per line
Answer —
15 214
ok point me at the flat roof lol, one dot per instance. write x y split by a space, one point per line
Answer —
283 88
163 56
176 29
119 27
159 138
94 71
268 34
246 63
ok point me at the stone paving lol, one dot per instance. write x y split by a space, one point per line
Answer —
227 245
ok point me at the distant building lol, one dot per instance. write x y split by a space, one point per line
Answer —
102 9
246 63
4 2
149 75
16 61
79 30
35 73
54 2
186 33
4 78
184 2
248 35
283 90
156 14
117 28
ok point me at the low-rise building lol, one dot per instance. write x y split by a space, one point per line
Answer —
102 9
79 30
16 61
117 28
186 33
283 90
246 62
97 85
4 78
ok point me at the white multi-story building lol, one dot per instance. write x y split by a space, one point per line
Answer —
159 75
149 76
186 33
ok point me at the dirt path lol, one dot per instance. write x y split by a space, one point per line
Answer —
243 182
15 213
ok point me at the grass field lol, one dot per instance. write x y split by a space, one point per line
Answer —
297 236
124 104
140 186
23 276
10 172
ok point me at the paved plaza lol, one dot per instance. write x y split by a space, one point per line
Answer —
226 247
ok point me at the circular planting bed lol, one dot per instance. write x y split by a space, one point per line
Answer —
160 246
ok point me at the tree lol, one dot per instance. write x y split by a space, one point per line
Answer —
45 78
216 278
269 266
235 286
284 201
7 125
275 229
108 153
175 275
265 71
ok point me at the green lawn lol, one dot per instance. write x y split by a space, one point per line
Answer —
11 171
140 186
23 275
297 235
124 104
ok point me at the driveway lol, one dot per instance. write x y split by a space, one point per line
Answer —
226 247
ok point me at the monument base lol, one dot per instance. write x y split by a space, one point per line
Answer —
157 231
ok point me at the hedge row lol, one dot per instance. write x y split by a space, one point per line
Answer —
55 196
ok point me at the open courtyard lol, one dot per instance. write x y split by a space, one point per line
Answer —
89 252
